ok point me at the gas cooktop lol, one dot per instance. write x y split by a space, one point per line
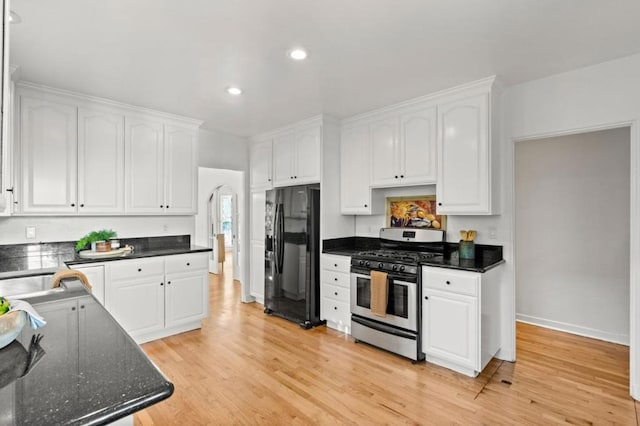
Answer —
398 256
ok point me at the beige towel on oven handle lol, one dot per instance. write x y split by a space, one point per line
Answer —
379 296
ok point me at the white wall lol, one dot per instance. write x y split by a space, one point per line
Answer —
208 181
586 99
219 150
572 233
58 228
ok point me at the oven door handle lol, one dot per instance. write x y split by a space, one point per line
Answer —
382 327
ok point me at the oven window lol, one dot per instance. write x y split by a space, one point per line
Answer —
397 297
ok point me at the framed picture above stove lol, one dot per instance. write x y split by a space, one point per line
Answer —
417 211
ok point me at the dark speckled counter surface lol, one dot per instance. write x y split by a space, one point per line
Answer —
486 256
91 371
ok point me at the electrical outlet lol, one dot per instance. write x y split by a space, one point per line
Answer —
30 232
493 233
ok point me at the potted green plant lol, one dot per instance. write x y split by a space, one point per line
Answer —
100 238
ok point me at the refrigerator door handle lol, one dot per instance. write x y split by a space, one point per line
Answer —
280 233
275 241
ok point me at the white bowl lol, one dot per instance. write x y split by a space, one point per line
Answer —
10 326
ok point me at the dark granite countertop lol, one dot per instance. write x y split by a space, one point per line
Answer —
90 371
46 258
486 256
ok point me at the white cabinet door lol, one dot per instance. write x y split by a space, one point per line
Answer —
258 216
463 151
384 153
256 285
450 327
138 305
283 159
100 162
48 153
144 166
418 147
180 175
186 298
355 190
95 275
261 161
308 155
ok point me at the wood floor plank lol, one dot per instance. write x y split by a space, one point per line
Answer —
247 368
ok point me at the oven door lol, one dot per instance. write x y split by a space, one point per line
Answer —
402 308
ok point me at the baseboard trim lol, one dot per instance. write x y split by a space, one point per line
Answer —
621 339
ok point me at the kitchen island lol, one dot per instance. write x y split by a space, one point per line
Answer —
85 370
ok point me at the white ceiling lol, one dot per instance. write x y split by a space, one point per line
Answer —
179 56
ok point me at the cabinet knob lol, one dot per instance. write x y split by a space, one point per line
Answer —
335 264
335 293
161 283
426 298
448 282
168 282
396 176
295 177
162 206
335 279
73 204
290 177
81 306
335 308
81 205
401 176
439 204
269 180
167 206
365 205
73 308
139 269
188 264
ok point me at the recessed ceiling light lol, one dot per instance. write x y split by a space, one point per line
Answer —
298 54
14 18
235 91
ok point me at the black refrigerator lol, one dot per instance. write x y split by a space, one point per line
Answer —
292 254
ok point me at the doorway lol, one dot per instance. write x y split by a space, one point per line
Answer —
221 215
572 233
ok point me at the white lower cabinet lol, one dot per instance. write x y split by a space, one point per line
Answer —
95 275
160 296
334 291
460 318
256 282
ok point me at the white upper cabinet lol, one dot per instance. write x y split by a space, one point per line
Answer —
100 162
160 167
308 155
418 157
48 156
144 141
180 169
385 152
464 171
283 159
297 156
403 149
79 155
355 190
260 163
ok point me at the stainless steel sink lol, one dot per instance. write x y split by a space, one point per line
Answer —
28 287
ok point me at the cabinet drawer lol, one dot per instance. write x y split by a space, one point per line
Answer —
335 311
186 262
336 278
339 294
331 262
137 268
449 280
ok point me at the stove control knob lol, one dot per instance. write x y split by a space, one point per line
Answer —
367 263
402 268
380 265
394 267
361 263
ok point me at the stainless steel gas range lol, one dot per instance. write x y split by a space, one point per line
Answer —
398 327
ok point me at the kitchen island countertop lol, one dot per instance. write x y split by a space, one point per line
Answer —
90 372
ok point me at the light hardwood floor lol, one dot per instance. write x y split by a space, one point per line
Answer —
244 367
